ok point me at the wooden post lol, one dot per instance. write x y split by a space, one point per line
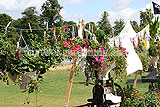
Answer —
135 80
70 82
46 26
30 27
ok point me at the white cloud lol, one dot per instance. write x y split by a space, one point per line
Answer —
15 7
73 2
121 4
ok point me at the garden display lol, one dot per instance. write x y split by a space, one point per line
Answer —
33 45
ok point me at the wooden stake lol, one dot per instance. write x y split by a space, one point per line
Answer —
135 80
46 26
30 27
70 82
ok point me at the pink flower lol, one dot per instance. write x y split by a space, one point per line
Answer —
124 48
133 94
71 41
101 65
79 47
137 91
123 52
95 50
127 52
96 58
87 50
94 54
87 43
101 58
1 52
139 98
54 38
85 46
93 62
70 53
17 54
101 49
102 43
73 47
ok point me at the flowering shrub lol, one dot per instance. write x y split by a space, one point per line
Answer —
143 55
154 49
134 98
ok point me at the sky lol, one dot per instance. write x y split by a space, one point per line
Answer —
89 10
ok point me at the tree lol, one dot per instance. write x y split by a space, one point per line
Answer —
135 26
144 18
119 25
104 24
30 15
51 13
5 19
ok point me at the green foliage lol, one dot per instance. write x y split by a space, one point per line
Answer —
119 57
101 36
154 26
119 25
51 13
135 99
154 49
5 19
135 26
143 55
144 18
104 24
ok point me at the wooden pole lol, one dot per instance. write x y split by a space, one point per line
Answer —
30 27
70 82
47 26
135 80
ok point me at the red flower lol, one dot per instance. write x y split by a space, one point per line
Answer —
133 94
158 52
157 47
121 47
65 27
137 91
71 41
127 52
124 48
87 43
7 83
82 42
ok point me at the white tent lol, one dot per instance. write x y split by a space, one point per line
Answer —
133 61
144 32
127 31
126 36
144 35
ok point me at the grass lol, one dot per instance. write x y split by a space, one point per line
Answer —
52 91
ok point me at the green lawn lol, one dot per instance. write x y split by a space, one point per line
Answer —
53 91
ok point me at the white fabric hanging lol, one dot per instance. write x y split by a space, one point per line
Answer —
133 61
80 31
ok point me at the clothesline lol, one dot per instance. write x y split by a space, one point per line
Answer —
36 28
